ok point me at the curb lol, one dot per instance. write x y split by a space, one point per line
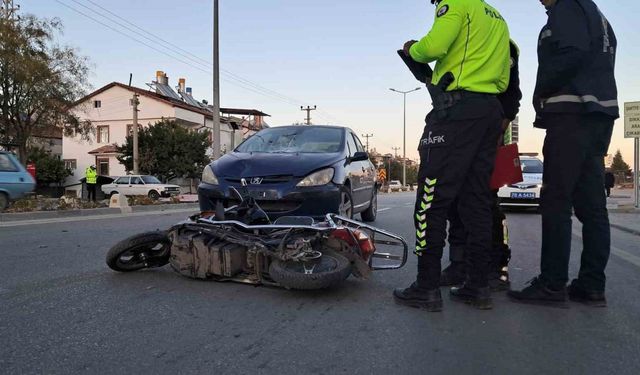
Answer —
625 229
25 216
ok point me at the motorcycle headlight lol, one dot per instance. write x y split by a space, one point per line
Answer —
208 176
318 178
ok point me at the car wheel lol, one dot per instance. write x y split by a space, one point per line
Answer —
372 212
154 195
4 202
346 204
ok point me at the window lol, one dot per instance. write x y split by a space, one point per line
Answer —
292 140
359 145
532 166
351 145
103 167
103 134
71 164
150 180
122 181
136 181
97 104
6 165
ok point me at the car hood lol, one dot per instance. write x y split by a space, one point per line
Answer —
239 164
530 179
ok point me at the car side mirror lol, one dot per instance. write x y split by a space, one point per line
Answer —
360 156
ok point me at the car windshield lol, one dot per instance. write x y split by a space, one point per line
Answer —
531 166
150 180
292 140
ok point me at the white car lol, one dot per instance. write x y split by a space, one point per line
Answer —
140 185
527 192
395 185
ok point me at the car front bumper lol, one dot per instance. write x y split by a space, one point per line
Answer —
515 197
275 200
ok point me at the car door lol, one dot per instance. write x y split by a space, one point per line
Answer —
137 186
354 170
122 185
368 173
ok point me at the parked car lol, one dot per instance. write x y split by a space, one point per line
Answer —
296 171
396 185
140 185
15 181
527 192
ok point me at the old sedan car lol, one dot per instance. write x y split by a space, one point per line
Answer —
140 185
296 171
15 181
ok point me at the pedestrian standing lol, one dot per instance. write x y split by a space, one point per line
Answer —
609 182
469 39
456 272
91 177
576 102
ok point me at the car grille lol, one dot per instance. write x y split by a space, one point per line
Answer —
269 206
523 187
264 180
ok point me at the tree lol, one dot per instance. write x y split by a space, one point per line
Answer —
49 168
39 80
167 151
618 166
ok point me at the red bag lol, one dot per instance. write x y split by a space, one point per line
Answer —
507 170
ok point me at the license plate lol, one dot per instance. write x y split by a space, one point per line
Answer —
264 194
523 195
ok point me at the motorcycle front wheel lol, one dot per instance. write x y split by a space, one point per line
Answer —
331 269
144 250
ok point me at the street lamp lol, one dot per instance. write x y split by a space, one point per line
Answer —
404 133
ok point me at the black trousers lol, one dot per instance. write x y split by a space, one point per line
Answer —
500 253
608 190
457 155
574 151
91 192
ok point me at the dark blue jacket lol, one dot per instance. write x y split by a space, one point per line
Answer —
576 59
510 99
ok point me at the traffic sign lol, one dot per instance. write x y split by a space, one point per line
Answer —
632 120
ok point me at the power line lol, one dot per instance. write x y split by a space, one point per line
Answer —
192 58
367 136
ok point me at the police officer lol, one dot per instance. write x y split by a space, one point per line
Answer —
470 39
576 102
91 178
456 272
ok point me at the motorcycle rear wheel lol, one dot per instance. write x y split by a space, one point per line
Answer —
144 250
332 269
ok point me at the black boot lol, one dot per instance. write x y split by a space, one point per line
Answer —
591 298
539 293
415 296
499 280
454 275
478 297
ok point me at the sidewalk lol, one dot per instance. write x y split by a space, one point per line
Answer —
626 222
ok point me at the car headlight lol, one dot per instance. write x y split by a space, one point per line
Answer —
318 178
208 177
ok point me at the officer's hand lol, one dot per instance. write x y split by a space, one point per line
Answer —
505 126
407 46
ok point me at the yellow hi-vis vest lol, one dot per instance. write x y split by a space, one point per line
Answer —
92 175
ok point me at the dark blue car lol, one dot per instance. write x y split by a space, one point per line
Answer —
296 171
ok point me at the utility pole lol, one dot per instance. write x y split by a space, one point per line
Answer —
404 134
136 153
395 151
8 10
367 136
216 82
308 110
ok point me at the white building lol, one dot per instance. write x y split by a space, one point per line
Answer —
110 110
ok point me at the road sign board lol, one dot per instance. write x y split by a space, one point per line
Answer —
632 120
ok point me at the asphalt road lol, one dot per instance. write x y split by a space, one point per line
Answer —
63 311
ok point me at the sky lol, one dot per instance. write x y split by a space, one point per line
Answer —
339 55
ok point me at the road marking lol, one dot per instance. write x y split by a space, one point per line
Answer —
384 209
624 255
96 217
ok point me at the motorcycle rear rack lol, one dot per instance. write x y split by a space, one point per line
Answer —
332 221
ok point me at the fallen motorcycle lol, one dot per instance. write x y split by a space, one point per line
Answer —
241 244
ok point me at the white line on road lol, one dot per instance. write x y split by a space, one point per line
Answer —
384 209
624 255
96 217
